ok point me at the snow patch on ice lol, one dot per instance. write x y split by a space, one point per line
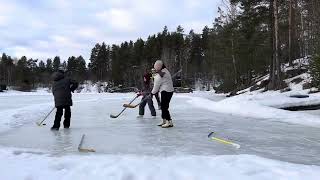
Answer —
17 117
36 166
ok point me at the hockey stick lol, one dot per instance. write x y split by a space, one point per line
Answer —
134 106
80 149
40 123
131 106
175 74
115 116
211 136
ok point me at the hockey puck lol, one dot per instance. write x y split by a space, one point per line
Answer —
44 124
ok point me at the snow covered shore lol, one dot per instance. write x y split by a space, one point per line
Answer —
262 105
23 164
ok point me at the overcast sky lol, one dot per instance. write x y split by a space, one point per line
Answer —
45 28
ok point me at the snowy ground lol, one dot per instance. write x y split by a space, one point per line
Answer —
131 148
264 106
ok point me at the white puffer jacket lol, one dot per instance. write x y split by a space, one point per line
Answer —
163 83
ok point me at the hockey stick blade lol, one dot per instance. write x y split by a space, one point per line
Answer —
80 149
86 150
130 106
113 116
116 116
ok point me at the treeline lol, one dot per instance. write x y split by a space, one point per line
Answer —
248 39
26 74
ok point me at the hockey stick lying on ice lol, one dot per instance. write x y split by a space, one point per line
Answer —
212 137
80 149
115 116
40 123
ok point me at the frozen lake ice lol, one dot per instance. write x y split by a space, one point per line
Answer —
128 135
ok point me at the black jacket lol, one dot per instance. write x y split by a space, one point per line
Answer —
62 88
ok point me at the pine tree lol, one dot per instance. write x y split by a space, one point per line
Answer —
56 63
93 65
315 70
49 66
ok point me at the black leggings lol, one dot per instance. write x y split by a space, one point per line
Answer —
165 101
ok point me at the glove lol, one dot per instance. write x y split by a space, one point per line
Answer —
149 96
161 73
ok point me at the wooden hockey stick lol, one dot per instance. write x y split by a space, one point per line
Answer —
81 149
115 116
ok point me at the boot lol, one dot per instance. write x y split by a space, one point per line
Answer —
54 128
163 122
168 124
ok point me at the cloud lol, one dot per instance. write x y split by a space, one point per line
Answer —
197 26
118 19
19 51
3 20
71 27
193 4
89 32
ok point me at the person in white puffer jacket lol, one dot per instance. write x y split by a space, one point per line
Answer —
163 84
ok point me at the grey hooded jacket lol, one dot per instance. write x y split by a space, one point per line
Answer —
62 88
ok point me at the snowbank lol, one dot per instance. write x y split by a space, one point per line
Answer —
90 87
39 91
18 165
266 105
263 105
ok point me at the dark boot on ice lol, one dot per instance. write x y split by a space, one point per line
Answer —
54 128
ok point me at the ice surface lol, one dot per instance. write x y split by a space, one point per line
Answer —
133 148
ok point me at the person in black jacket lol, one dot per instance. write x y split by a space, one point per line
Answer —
61 89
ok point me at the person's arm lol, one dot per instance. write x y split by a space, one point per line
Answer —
156 84
73 85
53 88
161 73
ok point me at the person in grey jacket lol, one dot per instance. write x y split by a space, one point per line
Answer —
61 89
146 96
163 84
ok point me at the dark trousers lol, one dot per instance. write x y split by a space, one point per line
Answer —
165 101
67 116
145 100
